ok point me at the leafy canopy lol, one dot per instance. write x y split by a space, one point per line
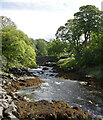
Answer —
17 47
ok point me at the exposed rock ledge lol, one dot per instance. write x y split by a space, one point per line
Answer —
15 106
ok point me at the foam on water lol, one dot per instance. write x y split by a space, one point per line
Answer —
71 91
45 85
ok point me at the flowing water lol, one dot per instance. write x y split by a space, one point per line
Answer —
70 91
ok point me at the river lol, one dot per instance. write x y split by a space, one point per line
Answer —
71 91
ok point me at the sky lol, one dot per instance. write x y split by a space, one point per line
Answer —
42 18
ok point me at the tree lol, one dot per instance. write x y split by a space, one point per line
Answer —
88 20
84 34
85 22
17 48
70 33
57 48
4 21
41 47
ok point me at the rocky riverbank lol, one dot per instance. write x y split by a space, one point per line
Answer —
7 105
83 75
13 106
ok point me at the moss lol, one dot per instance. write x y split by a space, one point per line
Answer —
17 85
49 110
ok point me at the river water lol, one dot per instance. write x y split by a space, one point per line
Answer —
71 91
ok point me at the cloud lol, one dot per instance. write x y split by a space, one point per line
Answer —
45 5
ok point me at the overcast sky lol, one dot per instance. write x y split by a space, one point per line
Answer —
42 18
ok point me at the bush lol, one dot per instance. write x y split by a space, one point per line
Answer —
68 63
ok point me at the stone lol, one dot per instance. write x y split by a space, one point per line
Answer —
22 80
15 113
5 82
22 84
11 94
1 96
19 71
5 115
45 68
69 113
75 107
9 109
50 117
11 76
51 75
1 109
61 116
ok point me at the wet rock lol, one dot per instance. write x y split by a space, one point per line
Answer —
19 71
5 114
22 80
11 76
22 84
11 94
1 96
88 83
5 82
45 68
69 113
89 76
62 116
40 118
1 109
54 71
75 107
20 98
50 117
41 72
44 110
51 75
9 109
15 113
85 83
15 98
79 117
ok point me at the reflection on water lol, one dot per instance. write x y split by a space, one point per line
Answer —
70 91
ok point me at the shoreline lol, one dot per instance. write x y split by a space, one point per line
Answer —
81 75
40 110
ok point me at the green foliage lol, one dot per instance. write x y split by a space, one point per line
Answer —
84 34
17 48
68 63
57 48
93 55
89 20
41 47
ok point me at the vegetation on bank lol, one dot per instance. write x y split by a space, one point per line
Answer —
84 34
80 39
41 47
17 49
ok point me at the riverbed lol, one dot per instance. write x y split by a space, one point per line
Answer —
71 91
